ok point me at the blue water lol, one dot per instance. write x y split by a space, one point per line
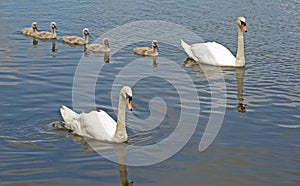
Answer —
257 147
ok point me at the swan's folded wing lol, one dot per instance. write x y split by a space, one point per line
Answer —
203 53
109 124
187 49
221 54
98 125
213 53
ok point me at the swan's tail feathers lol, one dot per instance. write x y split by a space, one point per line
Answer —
187 49
68 114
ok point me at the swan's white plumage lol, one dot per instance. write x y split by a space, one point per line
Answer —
67 114
205 53
101 122
95 124
98 124
213 53
187 49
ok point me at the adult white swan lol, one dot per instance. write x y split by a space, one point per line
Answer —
98 124
212 53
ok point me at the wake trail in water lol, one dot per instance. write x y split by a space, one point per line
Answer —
290 126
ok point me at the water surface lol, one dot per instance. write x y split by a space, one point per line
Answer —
256 147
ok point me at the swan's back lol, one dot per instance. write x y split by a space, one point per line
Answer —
146 51
98 47
213 53
28 31
141 50
75 40
98 125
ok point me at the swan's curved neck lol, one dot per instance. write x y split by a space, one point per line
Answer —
53 32
240 57
121 129
86 38
154 49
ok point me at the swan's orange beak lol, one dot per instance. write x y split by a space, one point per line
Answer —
129 103
244 27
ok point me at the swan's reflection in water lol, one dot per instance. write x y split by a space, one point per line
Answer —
35 42
212 72
106 56
155 64
120 150
147 59
239 74
116 151
53 48
121 156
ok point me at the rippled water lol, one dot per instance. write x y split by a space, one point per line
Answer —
256 145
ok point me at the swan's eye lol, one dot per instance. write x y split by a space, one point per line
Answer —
243 23
129 99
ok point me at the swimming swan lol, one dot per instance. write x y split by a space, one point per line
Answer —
146 51
212 53
98 47
75 40
30 31
48 35
98 124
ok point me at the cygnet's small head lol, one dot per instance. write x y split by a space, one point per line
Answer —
53 25
154 43
85 31
106 41
241 22
34 25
